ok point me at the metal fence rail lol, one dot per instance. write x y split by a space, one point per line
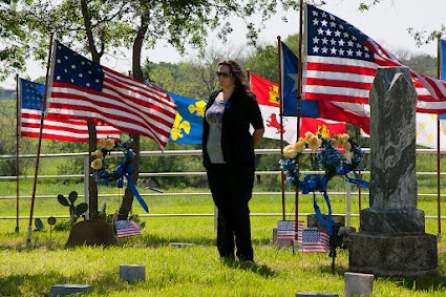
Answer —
84 156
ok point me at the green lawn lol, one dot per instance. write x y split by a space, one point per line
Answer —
194 271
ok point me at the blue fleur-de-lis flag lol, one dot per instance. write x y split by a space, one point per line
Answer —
188 124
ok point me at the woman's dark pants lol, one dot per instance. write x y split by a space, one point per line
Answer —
231 188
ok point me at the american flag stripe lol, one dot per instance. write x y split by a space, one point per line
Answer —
319 246
127 228
81 89
71 130
290 233
73 101
109 102
340 66
150 94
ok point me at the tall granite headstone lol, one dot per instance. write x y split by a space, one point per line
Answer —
392 238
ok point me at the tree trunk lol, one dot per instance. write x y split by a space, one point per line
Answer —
127 200
92 186
96 57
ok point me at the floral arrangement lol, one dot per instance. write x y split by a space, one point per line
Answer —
337 156
120 175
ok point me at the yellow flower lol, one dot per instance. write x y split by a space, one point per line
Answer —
314 143
98 154
344 138
290 151
96 164
300 145
101 142
308 136
109 144
336 141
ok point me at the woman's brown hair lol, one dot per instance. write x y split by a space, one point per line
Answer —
237 73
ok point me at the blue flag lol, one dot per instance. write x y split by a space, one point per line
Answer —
31 95
289 65
188 125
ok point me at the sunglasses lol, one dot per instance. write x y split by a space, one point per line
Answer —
223 74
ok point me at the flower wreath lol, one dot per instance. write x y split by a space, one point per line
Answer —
328 158
121 174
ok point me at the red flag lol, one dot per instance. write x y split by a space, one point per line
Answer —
267 94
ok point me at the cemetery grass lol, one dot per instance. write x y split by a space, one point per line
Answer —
194 271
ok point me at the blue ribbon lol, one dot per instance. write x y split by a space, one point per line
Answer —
313 183
135 193
325 221
333 163
123 171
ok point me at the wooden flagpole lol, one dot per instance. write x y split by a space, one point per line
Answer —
39 146
439 74
299 95
282 174
358 138
18 108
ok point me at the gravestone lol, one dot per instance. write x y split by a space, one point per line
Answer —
69 290
181 244
304 294
392 238
358 284
132 273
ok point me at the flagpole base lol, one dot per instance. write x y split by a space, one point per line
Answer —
29 237
95 232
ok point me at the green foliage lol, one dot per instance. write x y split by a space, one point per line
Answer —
8 140
76 211
264 60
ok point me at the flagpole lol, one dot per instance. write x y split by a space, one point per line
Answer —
439 61
39 146
299 95
17 228
282 174
358 138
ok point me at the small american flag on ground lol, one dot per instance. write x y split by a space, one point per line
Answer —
314 241
286 230
31 101
126 228
82 89
340 67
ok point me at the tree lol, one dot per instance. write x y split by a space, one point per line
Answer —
137 24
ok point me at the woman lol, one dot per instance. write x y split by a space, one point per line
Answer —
228 156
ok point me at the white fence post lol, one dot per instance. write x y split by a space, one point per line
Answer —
87 183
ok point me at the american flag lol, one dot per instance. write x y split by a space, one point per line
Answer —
314 241
82 89
340 67
31 102
126 228
286 230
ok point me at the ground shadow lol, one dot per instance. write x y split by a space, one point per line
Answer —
40 284
260 269
338 269
151 240
422 283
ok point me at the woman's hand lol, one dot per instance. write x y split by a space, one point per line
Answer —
257 136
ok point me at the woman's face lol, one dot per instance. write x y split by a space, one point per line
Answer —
225 77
